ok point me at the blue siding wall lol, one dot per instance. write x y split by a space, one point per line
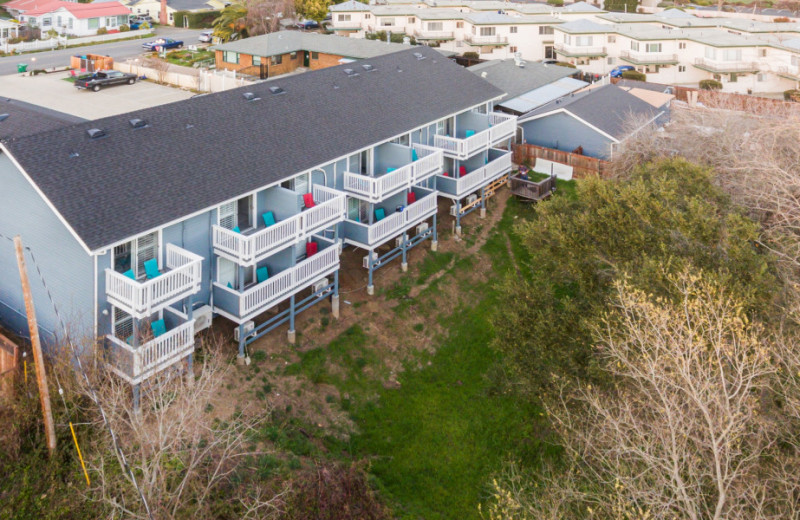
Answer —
65 265
564 132
391 155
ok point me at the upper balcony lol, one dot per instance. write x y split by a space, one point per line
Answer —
251 246
476 133
155 353
409 166
141 298
475 177
278 283
396 216
649 58
725 67
478 40
580 51
420 34
789 72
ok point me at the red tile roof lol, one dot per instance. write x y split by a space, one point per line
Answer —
77 10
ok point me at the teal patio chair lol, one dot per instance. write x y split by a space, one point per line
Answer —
159 328
269 218
151 268
262 274
380 214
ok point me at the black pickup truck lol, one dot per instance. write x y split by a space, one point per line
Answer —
104 78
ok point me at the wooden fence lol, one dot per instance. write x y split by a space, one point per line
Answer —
743 102
8 365
582 165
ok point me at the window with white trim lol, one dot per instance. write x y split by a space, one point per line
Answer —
487 31
132 255
122 325
681 68
653 47
387 22
459 25
230 57
634 46
710 53
612 38
545 30
681 45
732 54
513 48
512 29
435 26
583 41
344 18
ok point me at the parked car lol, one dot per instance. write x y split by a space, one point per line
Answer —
206 36
616 72
104 78
307 24
163 43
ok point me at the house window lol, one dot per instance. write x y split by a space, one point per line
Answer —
69 23
123 324
711 53
94 23
583 41
170 16
610 60
132 255
256 61
512 48
681 45
653 47
545 29
435 26
293 55
387 22
230 57
276 60
732 54
635 46
366 16
513 29
549 52
411 19
681 68
59 22
734 78
47 22
459 25
487 31
612 38
344 18
314 55
122 19
763 53
761 77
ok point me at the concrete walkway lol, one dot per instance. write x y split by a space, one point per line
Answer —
52 91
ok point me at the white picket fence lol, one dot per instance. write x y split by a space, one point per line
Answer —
199 80
63 41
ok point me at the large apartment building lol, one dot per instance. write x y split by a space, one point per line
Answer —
242 208
672 46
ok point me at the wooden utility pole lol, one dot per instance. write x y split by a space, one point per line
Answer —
38 359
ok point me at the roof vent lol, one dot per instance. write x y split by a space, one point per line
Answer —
350 73
249 96
95 133
419 56
3 117
138 123
73 155
368 67
276 90
335 86
399 69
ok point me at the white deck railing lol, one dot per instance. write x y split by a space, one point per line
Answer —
482 176
376 189
501 127
580 50
395 223
249 249
257 299
477 39
433 35
135 364
726 66
142 298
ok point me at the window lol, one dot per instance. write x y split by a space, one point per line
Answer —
487 31
47 22
732 54
711 53
122 19
59 22
293 55
403 140
276 60
459 25
230 57
513 29
170 16
734 78
314 55
545 29
387 22
512 48
635 46
366 16
549 52
583 41
94 23
411 19
344 18
681 45
612 38
123 324
256 61
69 23
681 68
132 255
761 77
610 60
763 53
435 26
653 47
795 61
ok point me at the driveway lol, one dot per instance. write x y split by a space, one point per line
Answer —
52 91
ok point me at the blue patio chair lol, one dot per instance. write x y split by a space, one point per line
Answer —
380 214
151 268
414 156
230 286
129 274
469 133
262 274
236 229
159 328
390 170
269 218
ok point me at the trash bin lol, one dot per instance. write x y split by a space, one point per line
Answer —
22 67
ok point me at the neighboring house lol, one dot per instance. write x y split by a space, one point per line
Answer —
281 52
527 84
595 120
8 29
153 8
75 18
214 230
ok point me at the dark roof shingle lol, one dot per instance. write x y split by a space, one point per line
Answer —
26 119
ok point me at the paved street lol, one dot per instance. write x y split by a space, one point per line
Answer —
117 50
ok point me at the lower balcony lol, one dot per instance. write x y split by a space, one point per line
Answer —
479 40
725 67
174 341
391 218
476 132
433 35
274 280
789 72
580 51
648 58
469 180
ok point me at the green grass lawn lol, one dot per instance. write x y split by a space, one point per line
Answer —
188 58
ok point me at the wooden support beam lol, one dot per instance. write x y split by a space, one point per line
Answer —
38 358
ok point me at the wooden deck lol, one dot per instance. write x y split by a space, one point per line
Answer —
532 190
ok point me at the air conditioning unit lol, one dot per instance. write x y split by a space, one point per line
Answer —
472 198
202 318
365 262
320 284
248 328
422 228
398 241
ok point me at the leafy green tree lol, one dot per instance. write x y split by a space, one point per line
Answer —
312 9
231 21
628 6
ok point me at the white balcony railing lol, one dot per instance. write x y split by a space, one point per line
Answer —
579 50
726 66
375 189
477 178
433 35
648 58
792 71
251 248
142 298
501 127
135 364
396 223
475 39
257 299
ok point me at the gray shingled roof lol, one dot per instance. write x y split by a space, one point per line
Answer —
26 119
200 152
607 108
282 42
349 6
514 80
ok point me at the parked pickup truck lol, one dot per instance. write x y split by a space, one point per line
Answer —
104 78
163 43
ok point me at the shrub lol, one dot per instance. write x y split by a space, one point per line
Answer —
201 20
124 28
791 95
781 19
634 75
471 55
557 3
710 84
102 30
565 64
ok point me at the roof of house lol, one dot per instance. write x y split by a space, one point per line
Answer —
349 6
581 7
18 5
646 85
80 11
281 42
27 119
189 5
213 148
584 26
542 95
606 108
514 80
